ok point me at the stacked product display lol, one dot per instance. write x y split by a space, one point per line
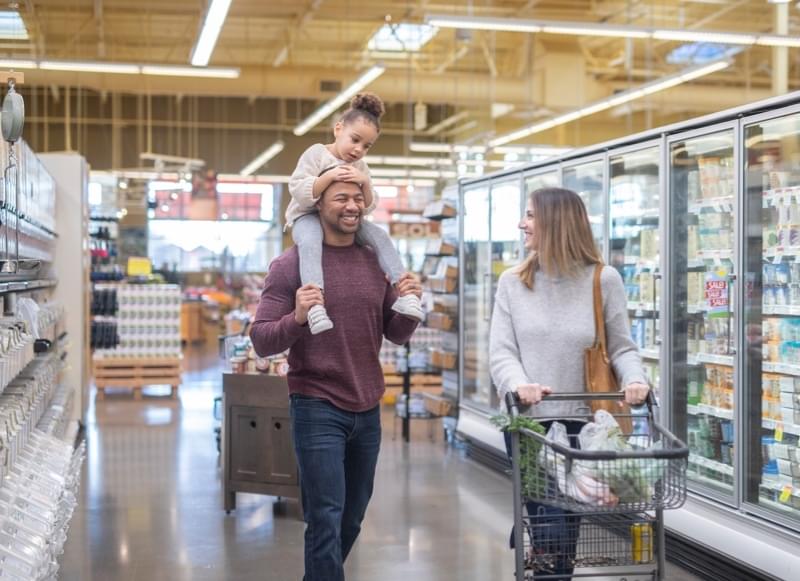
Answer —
147 320
442 285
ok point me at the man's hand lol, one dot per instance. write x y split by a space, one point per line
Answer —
532 393
409 284
636 393
306 297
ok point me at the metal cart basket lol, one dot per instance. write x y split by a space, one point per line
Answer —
599 512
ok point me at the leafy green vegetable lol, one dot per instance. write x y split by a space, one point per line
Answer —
533 476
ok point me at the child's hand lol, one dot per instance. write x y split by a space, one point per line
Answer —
409 285
347 173
306 297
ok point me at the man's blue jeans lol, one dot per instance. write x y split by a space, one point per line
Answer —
337 452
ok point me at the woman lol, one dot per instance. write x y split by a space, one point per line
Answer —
542 323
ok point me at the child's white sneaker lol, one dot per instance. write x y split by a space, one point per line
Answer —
318 320
410 306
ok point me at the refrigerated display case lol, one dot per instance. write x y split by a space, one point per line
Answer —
702 190
491 243
702 220
772 317
634 244
587 178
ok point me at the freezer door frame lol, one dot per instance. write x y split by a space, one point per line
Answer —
593 158
734 499
748 506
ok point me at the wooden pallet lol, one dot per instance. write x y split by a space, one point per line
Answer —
135 374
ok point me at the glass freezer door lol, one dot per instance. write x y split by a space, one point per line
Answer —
548 179
702 238
772 316
634 198
506 239
476 296
587 180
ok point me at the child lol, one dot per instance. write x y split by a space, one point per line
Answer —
354 133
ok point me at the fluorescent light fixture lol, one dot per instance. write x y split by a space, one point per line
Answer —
609 30
91 67
328 108
613 101
779 40
403 37
402 160
212 25
18 64
478 23
591 29
263 158
380 172
423 147
186 71
704 36
12 27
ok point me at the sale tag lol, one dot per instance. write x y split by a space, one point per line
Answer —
779 433
786 493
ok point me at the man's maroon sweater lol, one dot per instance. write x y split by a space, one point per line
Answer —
340 365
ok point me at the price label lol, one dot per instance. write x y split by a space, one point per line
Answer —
786 493
779 432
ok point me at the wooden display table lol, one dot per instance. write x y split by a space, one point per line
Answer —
137 373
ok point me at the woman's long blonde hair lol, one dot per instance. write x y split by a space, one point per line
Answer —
563 236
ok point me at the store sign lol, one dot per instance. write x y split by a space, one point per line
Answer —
716 293
413 229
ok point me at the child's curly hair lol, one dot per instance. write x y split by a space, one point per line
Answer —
367 106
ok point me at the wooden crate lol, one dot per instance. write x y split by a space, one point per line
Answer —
135 374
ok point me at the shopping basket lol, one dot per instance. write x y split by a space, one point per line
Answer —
594 509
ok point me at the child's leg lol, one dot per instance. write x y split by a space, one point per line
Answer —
382 244
307 235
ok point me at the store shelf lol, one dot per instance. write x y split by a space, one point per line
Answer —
25 286
782 251
787 428
722 204
642 306
782 368
637 261
710 464
699 261
793 311
701 408
650 354
715 359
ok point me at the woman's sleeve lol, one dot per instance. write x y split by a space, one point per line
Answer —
622 351
504 355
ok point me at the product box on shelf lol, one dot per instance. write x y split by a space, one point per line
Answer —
439 321
440 247
438 210
437 405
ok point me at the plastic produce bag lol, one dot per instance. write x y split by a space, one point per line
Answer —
629 479
579 483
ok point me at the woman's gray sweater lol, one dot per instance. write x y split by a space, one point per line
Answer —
539 335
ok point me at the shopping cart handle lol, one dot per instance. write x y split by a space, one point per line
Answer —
513 402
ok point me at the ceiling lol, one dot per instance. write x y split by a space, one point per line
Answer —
287 50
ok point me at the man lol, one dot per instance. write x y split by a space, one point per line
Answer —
335 378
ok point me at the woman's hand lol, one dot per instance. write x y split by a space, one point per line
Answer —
636 393
532 393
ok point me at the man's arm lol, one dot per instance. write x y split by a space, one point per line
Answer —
275 328
396 327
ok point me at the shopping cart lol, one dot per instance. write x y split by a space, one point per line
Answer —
621 531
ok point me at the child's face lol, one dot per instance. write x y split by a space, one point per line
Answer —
354 139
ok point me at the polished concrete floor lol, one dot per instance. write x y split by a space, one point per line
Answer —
151 505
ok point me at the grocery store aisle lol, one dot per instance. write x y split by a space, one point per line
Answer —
151 507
